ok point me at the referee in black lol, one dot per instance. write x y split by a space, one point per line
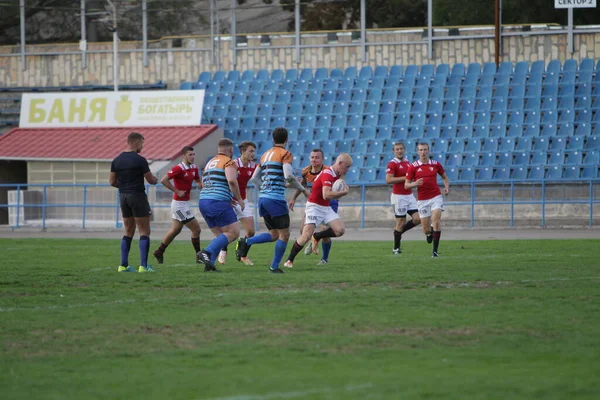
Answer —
127 173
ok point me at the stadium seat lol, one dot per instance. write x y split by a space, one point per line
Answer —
520 173
574 158
537 172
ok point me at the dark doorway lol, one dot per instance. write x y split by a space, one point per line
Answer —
10 172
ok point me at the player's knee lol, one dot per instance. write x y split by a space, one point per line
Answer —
339 231
284 236
250 232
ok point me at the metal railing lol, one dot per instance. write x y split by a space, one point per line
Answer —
97 206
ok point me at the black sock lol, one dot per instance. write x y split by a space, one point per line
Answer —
324 234
296 248
397 239
224 249
436 240
162 248
407 226
196 244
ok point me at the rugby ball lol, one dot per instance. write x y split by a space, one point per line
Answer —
338 185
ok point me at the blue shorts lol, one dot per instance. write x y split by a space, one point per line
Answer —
272 208
334 204
217 213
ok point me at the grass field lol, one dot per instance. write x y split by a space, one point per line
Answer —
487 320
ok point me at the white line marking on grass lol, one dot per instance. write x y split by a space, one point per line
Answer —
290 395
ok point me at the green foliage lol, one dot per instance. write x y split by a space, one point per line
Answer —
487 320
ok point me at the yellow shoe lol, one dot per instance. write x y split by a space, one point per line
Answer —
145 269
125 269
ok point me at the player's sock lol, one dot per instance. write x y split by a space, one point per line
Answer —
196 244
326 249
162 248
125 246
215 247
324 234
144 249
264 237
280 246
296 248
225 249
407 226
397 239
436 240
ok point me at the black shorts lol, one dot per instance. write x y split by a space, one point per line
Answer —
279 222
135 205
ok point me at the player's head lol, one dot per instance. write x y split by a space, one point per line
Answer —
189 155
342 164
423 150
316 157
280 136
399 150
247 151
226 147
135 141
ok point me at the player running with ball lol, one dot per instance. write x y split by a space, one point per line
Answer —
318 210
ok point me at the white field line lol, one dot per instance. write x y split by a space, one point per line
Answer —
291 395
278 292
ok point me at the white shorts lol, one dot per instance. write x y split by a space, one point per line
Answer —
247 213
403 203
426 206
317 214
180 210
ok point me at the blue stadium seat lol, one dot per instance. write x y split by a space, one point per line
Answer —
497 130
507 144
575 143
532 130
520 173
381 71
590 172
464 131
452 174
376 146
522 158
565 129
454 160
467 174
524 144
502 173
541 144
571 172
583 129
448 131
574 158
488 159
504 159
485 173
361 146
351 72
556 158
353 175
204 77
491 144
537 172
558 144
554 172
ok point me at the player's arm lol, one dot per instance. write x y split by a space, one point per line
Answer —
288 173
166 181
390 179
298 192
255 179
446 183
198 182
231 175
329 194
112 179
409 183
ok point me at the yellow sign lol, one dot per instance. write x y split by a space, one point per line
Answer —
112 109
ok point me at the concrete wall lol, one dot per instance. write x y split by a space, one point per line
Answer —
183 64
